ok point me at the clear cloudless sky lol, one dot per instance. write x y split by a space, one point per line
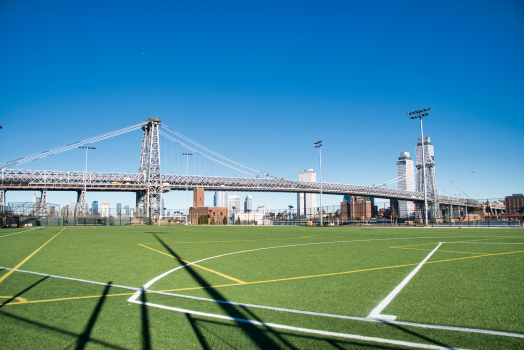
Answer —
260 81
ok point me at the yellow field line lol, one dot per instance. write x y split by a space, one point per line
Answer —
433 243
21 300
472 257
342 273
441 251
69 298
253 240
23 261
268 281
201 267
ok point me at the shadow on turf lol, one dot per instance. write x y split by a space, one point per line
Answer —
22 292
406 330
257 335
85 337
146 336
58 330
336 344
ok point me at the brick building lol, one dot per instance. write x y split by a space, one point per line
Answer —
514 204
219 213
199 209
356 210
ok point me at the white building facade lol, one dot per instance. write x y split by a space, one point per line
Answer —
234 201
106 212
221 199
307 202
406 181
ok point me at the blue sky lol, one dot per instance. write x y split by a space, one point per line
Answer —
260 81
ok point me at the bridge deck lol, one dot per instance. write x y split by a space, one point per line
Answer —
133 182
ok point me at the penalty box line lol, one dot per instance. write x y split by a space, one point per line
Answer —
375 313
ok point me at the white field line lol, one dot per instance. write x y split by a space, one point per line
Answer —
481 243
148 284
355 318
375 313
36 228
299 329
69 278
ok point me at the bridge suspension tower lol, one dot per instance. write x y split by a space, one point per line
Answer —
150 199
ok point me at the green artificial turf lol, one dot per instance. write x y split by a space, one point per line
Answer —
474 280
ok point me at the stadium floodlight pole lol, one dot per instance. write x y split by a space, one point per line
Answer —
85 172
187 174
319 146
414 115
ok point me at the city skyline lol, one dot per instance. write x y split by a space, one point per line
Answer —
274 76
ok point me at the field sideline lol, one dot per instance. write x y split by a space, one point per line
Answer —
238 287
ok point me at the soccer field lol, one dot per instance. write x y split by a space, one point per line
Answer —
238 287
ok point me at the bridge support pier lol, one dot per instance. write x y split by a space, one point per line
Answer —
2 199
80 209
150 168
42 205
140 199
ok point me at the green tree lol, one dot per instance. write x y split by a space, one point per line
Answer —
224 221
212 220
238 220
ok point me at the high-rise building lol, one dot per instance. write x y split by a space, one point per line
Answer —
118 209
72 209
248 204
405 173
126 210
221 199
431 183
307 202
105 210
234 201
94 208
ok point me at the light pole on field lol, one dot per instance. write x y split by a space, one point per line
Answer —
187 174
414 115
318 145
85 172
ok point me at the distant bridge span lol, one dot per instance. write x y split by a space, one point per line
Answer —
40 180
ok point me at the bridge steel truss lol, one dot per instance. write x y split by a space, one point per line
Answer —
150 199
150 188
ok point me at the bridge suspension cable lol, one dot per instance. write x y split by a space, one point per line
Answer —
187 139
68 147
445 177
202 154
390 182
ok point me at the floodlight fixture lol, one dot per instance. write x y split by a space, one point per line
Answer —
419 115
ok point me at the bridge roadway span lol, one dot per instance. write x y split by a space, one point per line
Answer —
132 182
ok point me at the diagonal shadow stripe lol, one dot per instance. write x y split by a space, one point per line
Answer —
22 292
57 330
257 335
84 338
199 334
146 335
